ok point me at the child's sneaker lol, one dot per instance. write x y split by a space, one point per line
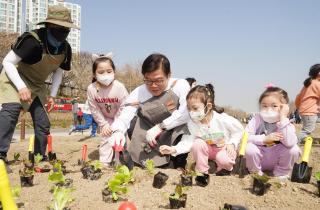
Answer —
203 180
223 172
72 128
283 178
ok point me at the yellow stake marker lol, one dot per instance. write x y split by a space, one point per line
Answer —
244 142
31 143
6 198
307 149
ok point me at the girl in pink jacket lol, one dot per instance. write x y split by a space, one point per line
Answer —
308 102
105 96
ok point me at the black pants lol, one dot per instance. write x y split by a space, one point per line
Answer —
9 115
178 161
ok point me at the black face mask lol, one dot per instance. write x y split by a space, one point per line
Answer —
60 34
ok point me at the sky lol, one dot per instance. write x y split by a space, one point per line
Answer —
237 45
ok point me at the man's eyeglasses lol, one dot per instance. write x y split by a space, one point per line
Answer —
156 82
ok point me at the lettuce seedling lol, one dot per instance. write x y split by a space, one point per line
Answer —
37 158
96 164
124 174
149 164
116 187
178 192
56 175
61 198
27 169
118 184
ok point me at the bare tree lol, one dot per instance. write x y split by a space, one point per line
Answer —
237 113
130 76
6 40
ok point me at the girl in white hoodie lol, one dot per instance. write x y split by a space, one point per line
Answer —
214 135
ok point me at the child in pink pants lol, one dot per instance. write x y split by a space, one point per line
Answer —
272 143
213 134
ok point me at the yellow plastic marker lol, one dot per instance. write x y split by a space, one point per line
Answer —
6 197
307 149
244 143
31 143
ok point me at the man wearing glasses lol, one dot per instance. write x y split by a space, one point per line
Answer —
155 114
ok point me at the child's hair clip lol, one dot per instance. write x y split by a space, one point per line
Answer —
208 91
96 56
269 85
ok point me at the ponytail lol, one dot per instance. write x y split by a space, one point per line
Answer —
313 73
307 82
212 96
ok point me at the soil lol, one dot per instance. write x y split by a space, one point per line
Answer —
221 189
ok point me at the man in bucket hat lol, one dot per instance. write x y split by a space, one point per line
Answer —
34 56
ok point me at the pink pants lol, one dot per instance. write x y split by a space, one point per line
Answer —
105 151
277 159
202 152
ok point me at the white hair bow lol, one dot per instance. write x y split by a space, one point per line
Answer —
108 55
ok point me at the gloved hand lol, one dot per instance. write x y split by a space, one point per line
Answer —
152 134
117 140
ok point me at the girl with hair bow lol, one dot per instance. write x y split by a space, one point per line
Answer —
105 97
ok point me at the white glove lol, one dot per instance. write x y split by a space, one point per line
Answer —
152 134
117 139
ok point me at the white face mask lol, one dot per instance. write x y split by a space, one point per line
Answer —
197 116
270 116
105 79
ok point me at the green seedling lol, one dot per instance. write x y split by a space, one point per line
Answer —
317 176
16 156
178 192
27 169
263 178
96 164
92 170
61 163
266 179
178 199
56 175
61 198
116 188
37 159
187 172
149 164
118 184
124 174
16 191
260 184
